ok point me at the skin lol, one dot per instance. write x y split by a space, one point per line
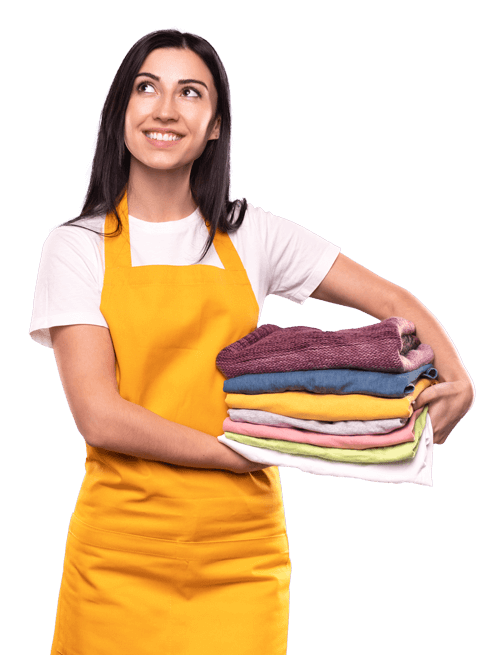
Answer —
158 188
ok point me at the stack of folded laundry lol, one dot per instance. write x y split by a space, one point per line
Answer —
333 403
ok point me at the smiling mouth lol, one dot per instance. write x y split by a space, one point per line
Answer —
166 136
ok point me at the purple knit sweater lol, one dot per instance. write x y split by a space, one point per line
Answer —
390 346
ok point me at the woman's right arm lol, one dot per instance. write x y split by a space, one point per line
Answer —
86 363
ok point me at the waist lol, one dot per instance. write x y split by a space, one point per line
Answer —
163 501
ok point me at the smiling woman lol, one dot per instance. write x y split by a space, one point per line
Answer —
178 544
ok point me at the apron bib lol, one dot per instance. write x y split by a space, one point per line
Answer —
159 557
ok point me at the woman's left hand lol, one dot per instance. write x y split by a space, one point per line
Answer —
448 403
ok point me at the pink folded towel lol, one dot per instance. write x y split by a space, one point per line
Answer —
389 346
357 442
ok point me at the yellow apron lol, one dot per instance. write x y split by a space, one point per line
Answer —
163 558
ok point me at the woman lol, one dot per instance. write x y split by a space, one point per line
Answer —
178 544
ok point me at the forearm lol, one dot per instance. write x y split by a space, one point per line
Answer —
124 427
430 331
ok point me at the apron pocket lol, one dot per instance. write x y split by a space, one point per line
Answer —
130 595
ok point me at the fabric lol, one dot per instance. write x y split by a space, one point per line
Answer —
377 455
379 426
417 470
152 562
388 346
338 381
357 441
280 257
329 407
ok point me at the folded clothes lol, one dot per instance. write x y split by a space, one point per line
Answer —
377 426
417 470
377 455
329 407
338 381
388 346
355 441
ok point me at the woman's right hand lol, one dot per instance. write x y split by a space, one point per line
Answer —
236 463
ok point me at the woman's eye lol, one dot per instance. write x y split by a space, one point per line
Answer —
193 93
144 86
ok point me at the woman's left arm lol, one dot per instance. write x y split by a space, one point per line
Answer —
350 284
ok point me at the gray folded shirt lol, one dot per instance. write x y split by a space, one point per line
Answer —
380 426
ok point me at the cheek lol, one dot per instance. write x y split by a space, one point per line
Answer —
126 132
205 123
133 117
131 130
127 128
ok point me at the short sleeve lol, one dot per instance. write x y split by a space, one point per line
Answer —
69 283
298 259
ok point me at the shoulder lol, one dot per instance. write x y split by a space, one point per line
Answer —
83 235
275 229
263 224
259 216
75 247
76 229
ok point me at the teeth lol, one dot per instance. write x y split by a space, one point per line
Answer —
163 137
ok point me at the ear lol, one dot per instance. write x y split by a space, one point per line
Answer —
214 134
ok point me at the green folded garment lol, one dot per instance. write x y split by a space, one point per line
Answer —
379 455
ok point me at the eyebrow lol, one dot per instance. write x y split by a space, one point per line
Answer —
155 77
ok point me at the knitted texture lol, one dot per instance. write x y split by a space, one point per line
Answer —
389 346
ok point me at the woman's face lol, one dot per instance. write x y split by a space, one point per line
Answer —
170 116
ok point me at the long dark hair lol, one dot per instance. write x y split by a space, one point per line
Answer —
210 173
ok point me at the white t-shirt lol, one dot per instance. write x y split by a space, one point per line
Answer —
280 257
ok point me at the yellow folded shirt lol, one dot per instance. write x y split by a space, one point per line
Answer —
329 407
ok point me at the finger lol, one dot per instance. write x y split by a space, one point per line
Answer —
445 413
432 393
427 396
440 428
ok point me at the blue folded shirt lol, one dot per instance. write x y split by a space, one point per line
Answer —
337 381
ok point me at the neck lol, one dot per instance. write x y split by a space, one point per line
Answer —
159 195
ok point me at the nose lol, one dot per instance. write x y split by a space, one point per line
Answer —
165 109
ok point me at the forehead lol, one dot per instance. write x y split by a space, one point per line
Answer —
172 64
